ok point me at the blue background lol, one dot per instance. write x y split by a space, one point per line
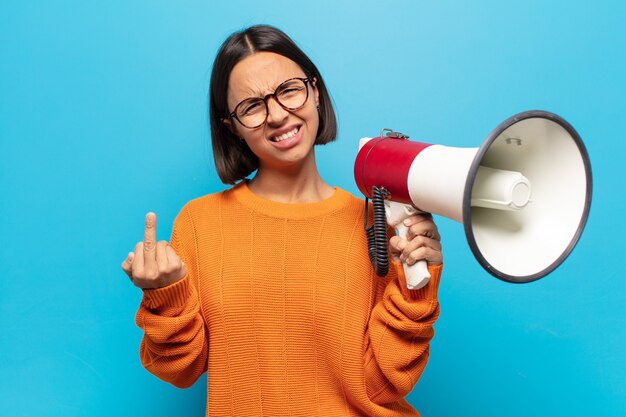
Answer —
103 118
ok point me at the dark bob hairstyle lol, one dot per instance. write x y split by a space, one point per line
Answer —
233 159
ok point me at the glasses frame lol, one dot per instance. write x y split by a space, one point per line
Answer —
265 98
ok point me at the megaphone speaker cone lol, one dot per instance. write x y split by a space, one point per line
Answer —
527 244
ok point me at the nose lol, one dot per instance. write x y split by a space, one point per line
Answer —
276 114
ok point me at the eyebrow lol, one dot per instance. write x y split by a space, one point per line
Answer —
261 95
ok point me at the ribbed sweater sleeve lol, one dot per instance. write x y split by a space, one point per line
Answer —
400 330
174 345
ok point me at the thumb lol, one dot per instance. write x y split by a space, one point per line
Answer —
127 264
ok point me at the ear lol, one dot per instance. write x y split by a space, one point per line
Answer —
316 91
230 125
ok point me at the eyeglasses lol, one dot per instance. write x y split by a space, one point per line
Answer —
291 95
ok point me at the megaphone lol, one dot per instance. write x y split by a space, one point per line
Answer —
523 196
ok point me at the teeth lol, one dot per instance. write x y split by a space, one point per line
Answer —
285 135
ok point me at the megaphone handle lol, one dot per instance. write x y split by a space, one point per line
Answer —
416 275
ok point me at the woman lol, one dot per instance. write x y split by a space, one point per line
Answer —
268 286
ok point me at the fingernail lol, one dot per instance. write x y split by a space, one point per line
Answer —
406 222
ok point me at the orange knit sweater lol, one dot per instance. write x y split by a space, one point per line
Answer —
281 308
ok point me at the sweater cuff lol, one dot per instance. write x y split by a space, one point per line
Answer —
173 295
427 292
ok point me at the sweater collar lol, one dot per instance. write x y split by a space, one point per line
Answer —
245 196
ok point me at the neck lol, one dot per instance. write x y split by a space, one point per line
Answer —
294 184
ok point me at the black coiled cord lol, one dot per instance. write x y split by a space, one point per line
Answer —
377 244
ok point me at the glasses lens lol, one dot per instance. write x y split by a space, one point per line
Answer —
292 94
251 112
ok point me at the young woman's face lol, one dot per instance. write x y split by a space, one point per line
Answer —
287 136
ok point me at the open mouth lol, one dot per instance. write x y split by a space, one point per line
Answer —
285 136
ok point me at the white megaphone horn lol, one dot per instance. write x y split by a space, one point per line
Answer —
523 196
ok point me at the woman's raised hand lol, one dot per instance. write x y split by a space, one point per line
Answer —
153 264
